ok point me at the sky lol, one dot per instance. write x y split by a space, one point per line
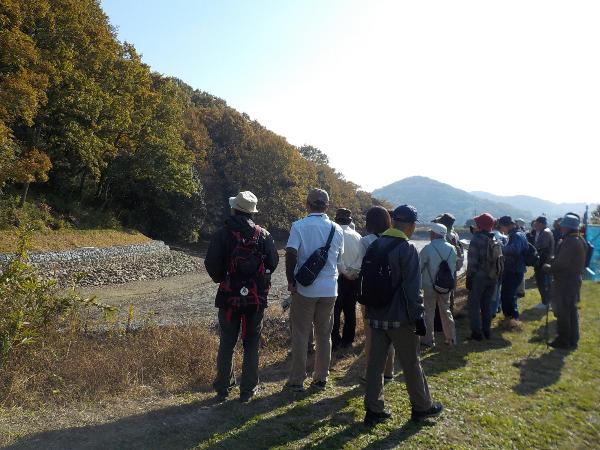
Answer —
502 97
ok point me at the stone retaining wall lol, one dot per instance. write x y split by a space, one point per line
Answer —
111 265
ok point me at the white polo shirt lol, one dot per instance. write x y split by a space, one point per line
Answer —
306 236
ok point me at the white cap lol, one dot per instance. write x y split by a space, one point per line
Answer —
438 229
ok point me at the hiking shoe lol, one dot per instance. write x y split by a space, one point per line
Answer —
245 397
294 387
475 337
387 380
435 410
373 418
540 306
221 396
362 379
561 345
319 384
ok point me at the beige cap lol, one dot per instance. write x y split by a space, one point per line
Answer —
318 197
244 202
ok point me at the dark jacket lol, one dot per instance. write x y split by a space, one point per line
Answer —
407 305
569 261
545 245
477 264
514 252
222 244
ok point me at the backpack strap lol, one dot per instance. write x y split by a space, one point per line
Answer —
329 239
439 254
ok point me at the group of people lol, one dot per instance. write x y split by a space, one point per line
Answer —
327 263
498 256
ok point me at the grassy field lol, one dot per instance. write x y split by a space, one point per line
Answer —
68 239
510 392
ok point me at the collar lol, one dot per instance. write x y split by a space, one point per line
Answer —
321 215
393 232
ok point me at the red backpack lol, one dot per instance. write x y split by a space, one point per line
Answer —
246 285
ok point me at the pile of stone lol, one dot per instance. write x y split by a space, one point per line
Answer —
92 266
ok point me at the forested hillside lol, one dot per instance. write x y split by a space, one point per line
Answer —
89 134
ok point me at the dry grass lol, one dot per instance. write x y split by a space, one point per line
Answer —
71 366
50 240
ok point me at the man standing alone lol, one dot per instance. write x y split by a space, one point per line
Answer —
241 257
312 304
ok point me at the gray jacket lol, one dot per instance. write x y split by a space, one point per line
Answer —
544 242
407 305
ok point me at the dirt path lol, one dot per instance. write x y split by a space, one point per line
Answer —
176 300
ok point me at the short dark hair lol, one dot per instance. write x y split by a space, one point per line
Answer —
318 207
399 224
343 221
377 220
242 214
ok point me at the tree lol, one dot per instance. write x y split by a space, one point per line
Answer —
313 154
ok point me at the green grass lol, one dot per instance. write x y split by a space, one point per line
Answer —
512 392
67 239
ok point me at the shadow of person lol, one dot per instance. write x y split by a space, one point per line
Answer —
533 314
541 372
175 427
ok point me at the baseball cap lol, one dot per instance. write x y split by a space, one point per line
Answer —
406 213
506 221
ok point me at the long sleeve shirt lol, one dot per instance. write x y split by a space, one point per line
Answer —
430 258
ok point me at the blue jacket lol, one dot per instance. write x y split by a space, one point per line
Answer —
514 252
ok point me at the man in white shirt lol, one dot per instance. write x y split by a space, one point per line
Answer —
349 268
430 258
312 304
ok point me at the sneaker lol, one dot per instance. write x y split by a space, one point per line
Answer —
540 306
373 418
319 384
435 410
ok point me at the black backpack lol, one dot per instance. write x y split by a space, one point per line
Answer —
444 278
246 285
308 273
532 258
376 283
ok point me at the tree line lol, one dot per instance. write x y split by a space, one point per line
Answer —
86 125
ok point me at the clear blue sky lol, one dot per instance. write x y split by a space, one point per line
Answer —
502 97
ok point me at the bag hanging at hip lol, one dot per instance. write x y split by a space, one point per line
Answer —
311 268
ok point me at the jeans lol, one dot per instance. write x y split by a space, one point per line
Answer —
346 303
481 303
229 331
510 284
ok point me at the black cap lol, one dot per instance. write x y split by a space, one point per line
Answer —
445 219
505 221
543 220
406 213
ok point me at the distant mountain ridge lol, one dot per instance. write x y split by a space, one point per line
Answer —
536 205
431 198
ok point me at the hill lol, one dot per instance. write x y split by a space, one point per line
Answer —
431 198
536 205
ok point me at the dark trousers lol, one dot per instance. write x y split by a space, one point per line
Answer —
229 331
481 303
346 303
508 296
542 280
406 344
565 295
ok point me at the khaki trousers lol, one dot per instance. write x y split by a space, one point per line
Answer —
406 343
389 363
431 300
304 313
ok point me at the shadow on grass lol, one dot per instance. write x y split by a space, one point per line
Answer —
176 427
533 314
542 371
